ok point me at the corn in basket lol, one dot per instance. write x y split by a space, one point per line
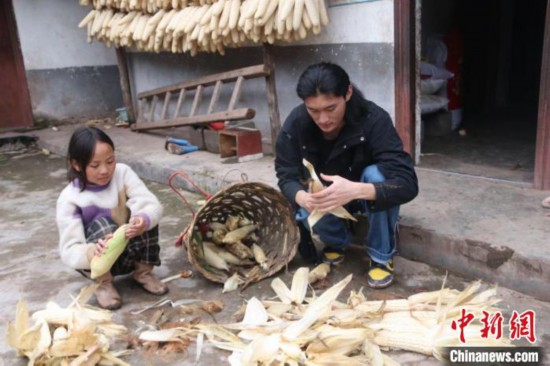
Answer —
257 204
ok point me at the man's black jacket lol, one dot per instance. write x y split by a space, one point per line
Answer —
369 140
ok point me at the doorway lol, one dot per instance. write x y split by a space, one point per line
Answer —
482 120
15 106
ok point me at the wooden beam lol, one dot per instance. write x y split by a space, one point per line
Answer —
542 152
405 73
196 101
181 98
246 72
237 114
236 93
272 102
153 107
125 83
215 97
167 98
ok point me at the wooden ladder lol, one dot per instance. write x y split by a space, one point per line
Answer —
148 119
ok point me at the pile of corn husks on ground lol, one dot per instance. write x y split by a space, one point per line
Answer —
77 335
292 329
320 330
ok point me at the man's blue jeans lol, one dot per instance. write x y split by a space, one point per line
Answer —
380 241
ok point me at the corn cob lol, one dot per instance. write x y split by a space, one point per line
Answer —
217 226
232 283
239 250
232 222
318 273
259 257
337 340
238 234
114 248
214 259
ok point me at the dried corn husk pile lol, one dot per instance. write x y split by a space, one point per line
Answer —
201 26
242 234
79 334
320 330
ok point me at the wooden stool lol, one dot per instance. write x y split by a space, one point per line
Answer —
246 144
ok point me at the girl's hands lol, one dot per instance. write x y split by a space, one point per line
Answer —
136 227
101 245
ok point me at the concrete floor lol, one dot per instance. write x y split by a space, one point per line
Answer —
29 185
499 144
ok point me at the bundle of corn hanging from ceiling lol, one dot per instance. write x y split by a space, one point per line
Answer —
205 26
78 335
146 6
320 330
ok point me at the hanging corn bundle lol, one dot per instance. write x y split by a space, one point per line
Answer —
201 26
301 330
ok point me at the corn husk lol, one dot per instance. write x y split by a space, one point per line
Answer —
295 329
317 186
78 334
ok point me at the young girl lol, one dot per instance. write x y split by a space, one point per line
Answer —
101 196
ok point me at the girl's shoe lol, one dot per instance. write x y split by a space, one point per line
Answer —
106 294
150 283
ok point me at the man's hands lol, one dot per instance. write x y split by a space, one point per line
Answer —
340 192
136 227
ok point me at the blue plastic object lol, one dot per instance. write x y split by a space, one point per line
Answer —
190 148
181 142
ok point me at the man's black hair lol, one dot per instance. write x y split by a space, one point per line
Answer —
330 79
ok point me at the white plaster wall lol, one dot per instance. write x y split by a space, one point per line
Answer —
369 21
50 37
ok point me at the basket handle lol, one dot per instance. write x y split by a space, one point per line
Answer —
179 240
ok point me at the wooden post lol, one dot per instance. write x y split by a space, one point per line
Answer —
542 152
405 73
272 103
125 83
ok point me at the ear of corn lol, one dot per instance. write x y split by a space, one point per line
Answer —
239 250
214 259
115 246
232 283
259 256
238 234
316 186
318 273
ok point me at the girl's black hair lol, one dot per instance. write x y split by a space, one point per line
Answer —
330 79
81 150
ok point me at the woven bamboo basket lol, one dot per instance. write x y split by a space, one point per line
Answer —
278 233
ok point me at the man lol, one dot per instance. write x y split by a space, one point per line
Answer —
354 146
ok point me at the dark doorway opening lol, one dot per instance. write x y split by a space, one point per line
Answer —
494 49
